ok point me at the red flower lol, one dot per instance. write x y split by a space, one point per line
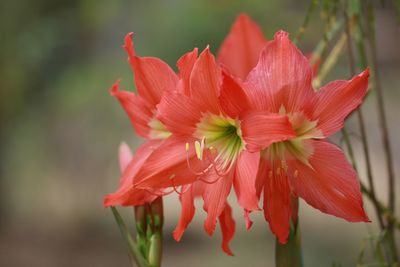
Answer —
152 78
305 165
207 144
162 154
240 51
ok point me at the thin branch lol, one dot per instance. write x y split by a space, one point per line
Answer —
303 27
368 13
360 117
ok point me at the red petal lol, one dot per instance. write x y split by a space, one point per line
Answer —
277 203
152 75
281 65
179 113
233 99
241 48
138 109
187 212
260 129
167 165
205 82
185 65
247 219
332 186
227 228
245 180
215 196
336 100
126 193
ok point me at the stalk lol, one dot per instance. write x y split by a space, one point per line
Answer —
289 254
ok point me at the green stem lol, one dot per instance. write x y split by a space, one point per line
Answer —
302 29
289 254
134 252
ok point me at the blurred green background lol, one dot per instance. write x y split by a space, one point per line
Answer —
60 128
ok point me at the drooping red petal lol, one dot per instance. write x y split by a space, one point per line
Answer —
244 181
215 196
277 202
248 222
187 212
179 113
241 48
152 75
185 66
281 65
205 82
233 99
336 100
331 185
260 129
167 166
138 109
126 194
227 228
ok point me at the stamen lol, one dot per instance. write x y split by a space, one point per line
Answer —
296 173
187 147
189 165
176 189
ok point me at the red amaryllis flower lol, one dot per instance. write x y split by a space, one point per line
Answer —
240 50
208 119
305 165
152 78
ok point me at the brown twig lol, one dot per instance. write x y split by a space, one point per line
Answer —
360 117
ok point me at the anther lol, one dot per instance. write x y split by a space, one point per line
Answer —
296 173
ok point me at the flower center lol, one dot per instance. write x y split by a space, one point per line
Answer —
297 148
221 134
158 130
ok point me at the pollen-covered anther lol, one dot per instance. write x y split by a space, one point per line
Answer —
199 147
172 176
296 173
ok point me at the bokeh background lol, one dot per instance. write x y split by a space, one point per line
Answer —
60 129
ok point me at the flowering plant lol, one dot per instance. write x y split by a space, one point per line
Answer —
253 119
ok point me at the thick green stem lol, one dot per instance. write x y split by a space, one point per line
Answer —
134 251
157 221
289 254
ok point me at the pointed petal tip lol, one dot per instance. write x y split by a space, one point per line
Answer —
365 73
282 240
228 251
177 235
115 88
128 39
242 17
209 227
281 34
129 46
108 201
